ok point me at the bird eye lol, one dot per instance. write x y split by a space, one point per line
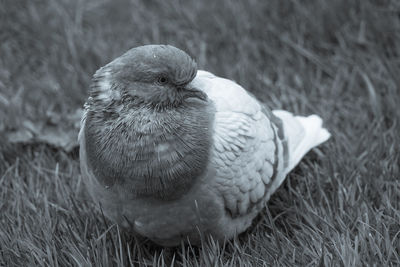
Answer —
162 80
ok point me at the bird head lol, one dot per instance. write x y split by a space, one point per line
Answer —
154 76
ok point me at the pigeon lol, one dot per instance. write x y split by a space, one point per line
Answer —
172 153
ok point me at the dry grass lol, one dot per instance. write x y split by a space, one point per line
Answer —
339 59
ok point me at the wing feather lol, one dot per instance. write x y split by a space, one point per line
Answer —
246 149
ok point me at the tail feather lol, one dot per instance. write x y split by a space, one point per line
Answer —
302 133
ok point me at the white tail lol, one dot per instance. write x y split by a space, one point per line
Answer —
302 133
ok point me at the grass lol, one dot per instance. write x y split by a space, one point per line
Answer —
339 59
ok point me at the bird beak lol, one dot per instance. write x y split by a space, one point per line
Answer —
194 92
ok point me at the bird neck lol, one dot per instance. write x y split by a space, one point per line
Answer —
152 154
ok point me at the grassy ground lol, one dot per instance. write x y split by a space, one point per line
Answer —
339 59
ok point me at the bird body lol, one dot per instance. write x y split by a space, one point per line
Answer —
172 153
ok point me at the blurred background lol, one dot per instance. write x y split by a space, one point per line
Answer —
299 55
336 58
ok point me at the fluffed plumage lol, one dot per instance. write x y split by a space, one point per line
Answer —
170 152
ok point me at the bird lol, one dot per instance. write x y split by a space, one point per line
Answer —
172 153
